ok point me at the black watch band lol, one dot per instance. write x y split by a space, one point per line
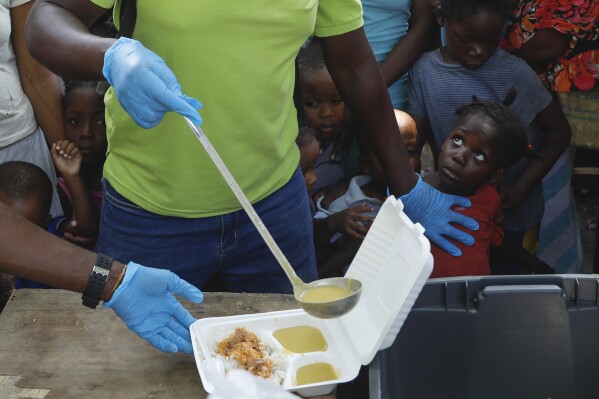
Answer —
97 281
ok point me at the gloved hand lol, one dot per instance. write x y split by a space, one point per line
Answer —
144 85
431 208
145 301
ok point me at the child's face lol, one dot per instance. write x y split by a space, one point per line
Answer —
472 40
323 106
468 158
32 209
410 140
85 125
309 153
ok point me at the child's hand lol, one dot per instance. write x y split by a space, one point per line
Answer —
72 234
511 196
331 193
351 221
66 157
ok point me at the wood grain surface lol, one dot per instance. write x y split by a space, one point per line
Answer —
53 347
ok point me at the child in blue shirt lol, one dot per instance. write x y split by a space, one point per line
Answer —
471 64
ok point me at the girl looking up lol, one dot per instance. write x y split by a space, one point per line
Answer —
485 142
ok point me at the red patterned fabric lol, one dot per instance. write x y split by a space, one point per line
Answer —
578 69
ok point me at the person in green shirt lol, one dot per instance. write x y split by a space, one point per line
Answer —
164 201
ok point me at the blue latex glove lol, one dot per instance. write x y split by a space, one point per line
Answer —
145 301
431 208
144 85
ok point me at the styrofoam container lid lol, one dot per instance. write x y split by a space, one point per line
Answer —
393 264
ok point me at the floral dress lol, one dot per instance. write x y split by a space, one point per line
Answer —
578 68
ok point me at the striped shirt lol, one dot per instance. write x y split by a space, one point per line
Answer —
437 89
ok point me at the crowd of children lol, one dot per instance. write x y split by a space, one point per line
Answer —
494 149
494 129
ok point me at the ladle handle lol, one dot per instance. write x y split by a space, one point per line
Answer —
245 203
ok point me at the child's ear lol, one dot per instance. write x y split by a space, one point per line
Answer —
439 16
497 177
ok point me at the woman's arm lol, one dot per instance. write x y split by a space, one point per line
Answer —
143 299
557 134
421 32
356 74
58 36
29 252
40 85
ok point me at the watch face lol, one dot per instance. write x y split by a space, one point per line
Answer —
100 270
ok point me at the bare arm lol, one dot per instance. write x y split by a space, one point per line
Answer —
546 46
29 252
354 69
557 134
40 85
405 53
57 35
67 159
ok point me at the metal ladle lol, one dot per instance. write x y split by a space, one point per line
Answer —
320 309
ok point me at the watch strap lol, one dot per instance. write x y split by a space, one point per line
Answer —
97 281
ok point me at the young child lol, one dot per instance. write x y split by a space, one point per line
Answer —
342 220
486 140
80 159
471 64
27 189
325 113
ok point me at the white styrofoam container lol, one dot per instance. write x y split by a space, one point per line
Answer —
393 264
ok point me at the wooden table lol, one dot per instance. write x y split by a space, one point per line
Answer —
53 347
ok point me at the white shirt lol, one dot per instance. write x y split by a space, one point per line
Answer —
16 114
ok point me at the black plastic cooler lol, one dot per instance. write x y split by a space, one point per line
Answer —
502 337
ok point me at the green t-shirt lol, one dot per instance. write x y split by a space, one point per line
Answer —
237 58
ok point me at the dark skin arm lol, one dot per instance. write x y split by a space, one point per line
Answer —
546 46
40 85
59 38
54 261
557 134
356 74
414 43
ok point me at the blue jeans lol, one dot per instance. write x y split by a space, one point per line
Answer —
197 248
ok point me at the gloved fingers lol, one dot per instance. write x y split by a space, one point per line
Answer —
460 201
180 287
178 335
180 314
463 220
145 117
160 343
458 235
192 101
444 244
173 101
181 330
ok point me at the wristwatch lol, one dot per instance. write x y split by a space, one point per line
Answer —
97 281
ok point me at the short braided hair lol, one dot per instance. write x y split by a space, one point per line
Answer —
512 130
